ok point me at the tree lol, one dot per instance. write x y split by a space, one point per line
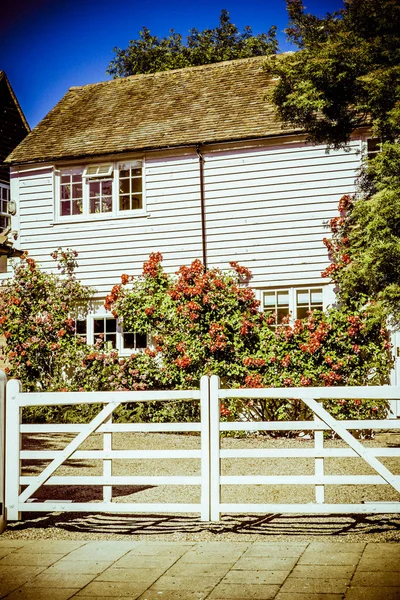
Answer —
346 74
38 311
150 54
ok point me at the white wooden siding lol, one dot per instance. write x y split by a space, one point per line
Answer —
269 208
265 207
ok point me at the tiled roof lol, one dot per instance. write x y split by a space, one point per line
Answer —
218 102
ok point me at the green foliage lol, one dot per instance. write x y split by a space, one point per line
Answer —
365 244
150 54
346 75
37 311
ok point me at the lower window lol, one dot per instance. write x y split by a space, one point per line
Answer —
106 332
297 303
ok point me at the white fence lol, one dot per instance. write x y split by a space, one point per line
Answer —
211 456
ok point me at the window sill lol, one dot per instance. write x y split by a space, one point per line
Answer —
95 218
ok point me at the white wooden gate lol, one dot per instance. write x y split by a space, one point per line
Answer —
17 501
322 421
210 456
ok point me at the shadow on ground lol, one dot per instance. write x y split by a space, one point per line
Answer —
371 527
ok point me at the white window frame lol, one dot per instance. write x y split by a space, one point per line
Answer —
292 294
5 214
90 173
90 335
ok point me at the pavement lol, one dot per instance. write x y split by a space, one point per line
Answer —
143 570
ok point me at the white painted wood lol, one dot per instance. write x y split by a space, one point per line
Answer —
312 509
253 189
112 454
60 398
205 448
13 443
305 425
361 450
114 427
114 507
107 464
304 480
301 453
319 393
112 480
319 465
215 468
70 449
3 383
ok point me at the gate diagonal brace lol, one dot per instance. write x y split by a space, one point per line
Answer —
69 450
346 436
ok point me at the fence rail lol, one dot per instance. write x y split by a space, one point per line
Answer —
20 489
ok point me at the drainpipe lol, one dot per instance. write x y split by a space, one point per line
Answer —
202 206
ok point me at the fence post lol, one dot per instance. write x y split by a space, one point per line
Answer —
3 383
107 463
205 447
319 462
215 445
13 448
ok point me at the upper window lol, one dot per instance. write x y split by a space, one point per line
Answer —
297 303
373 147
112 189
4 214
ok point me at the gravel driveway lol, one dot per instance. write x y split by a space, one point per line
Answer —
183 527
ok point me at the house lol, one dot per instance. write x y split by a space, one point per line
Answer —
13 129
191 163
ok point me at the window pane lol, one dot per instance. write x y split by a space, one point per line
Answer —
124 203
106 187
124 171
77 178
111 338
95 205
64 178
283 298
107 204
316 297
80 327
141 340
94 188
303 297
65 192
111 325
269 299
77 191
137 186
98 326
76 207
124 186
282 312
129 340
136 202
302 312
65 208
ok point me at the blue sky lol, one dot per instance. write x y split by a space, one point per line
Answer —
47 46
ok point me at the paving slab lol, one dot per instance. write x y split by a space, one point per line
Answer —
315 586
297 596
259 563
225 591
255 577
377 578
362 593
275 550
27 559
114 589
328 557
141 570
42 594
323 571
374 564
